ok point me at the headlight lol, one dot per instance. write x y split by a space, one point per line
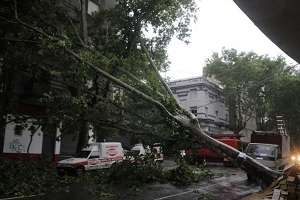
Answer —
296 159
293 158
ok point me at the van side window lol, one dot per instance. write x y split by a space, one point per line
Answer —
94 154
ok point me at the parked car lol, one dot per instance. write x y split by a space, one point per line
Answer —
141 151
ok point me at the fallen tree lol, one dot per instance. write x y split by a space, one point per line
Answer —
178 115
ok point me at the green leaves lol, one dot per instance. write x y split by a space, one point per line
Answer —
71 90
246 78
27 178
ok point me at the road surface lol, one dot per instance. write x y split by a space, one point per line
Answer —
228 184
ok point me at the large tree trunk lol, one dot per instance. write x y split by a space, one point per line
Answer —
84 31
2 131
83 135
83 131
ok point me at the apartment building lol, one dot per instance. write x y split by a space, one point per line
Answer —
205 99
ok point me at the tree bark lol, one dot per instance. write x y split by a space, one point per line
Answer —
83 135
83 131
84 7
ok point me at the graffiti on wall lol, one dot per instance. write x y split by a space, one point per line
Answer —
16 146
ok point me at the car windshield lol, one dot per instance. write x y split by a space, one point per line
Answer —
83 154
266 152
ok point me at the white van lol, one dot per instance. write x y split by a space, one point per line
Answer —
140 150
95 156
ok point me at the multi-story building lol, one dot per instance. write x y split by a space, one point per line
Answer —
205 100
22 134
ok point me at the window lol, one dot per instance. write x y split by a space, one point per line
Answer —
18 130
182 95
95 154
217 114
206 111
83 154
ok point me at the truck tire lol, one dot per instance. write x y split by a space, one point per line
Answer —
250 178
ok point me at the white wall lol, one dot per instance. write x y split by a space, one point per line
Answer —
19 143
198 92
92 8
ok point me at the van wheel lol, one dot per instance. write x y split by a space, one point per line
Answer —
61 172
79 171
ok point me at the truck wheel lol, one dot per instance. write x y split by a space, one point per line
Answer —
250 178
79 171
262 184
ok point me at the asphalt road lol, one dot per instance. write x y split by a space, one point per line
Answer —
228 184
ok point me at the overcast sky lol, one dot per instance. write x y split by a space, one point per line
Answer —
220 24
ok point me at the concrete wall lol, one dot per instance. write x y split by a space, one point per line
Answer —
202 97
18 143
16 140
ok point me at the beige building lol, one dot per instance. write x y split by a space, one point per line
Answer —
204 98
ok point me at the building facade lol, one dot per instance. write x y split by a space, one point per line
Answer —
21 136
205 100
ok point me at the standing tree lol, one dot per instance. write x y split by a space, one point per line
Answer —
246 78
283 96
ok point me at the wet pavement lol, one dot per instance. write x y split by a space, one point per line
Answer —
228 184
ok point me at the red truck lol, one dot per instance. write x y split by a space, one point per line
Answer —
202 153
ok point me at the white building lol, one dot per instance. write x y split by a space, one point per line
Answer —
205 100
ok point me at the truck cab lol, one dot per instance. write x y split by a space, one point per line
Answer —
94 156
271 149
267 154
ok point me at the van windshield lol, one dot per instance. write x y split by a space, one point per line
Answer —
135 152
262 151
83 154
